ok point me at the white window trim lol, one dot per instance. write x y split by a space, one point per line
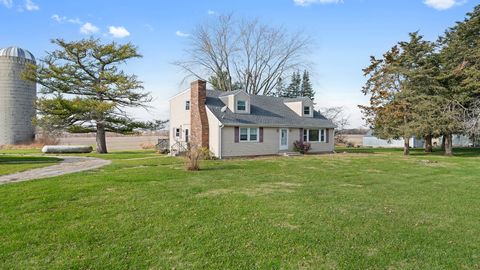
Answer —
177 132
245 105
248 134
309 110
320 130
189 105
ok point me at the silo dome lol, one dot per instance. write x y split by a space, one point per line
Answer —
17 52
17 97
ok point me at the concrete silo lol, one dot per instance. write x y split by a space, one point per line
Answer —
17 97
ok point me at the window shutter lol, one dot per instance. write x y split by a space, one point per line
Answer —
181 130
237 134
301 135
261 134
327 135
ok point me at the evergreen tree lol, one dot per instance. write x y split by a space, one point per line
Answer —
460 75
280 90
85 89
397 84
306 88
294 88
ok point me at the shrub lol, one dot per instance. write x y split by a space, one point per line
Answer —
301 147
193 157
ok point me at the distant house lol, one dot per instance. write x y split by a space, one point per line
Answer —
235 123
369 140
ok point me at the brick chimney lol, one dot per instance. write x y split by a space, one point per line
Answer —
198 114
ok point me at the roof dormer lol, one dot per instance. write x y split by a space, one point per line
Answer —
237 101
302 106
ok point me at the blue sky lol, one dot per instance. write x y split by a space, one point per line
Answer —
345 32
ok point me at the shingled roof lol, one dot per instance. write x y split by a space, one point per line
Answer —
264 111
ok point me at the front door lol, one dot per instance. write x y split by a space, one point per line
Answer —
283 139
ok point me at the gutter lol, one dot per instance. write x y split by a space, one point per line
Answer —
220 140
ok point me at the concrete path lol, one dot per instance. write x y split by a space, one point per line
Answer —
69 164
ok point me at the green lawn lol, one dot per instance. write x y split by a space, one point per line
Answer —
12 164
373 209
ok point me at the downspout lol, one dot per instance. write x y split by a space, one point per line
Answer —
220 140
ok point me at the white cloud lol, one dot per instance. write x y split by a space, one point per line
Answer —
58 18
181 34
88 29
149 27
31 6
7 3
63 19
443 4
211 12
74 21
118 31
305 3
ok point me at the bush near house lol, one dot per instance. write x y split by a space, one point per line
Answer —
301 147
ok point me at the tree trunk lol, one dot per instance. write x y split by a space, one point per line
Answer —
448 145
443 142
101 141
428 143
406 146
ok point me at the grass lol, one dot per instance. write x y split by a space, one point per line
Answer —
12 164
369 210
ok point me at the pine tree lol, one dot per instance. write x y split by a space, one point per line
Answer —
280 90
306 88
85 89
294 88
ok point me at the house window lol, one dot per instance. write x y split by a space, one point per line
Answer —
306 110
241 105
187 135
177 132
314 135
249 134
253 134
187 105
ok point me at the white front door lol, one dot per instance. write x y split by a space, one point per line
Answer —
283 139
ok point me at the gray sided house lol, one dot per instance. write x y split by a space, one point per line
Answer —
369 140
234 124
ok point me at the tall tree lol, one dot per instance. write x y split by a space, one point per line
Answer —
280 89
84 88
403 88
460 75
389 112
306 88
247 51
295 86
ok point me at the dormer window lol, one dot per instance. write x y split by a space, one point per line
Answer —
241 105
187 105
306 110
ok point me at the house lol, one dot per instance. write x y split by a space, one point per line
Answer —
369 140
233 124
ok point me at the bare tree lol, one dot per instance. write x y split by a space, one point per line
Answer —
470 119
229 53
338 116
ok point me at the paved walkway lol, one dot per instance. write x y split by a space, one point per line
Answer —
69 164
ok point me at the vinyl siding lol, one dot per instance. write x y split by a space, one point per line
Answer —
213 133
179 117
230 148
270 145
